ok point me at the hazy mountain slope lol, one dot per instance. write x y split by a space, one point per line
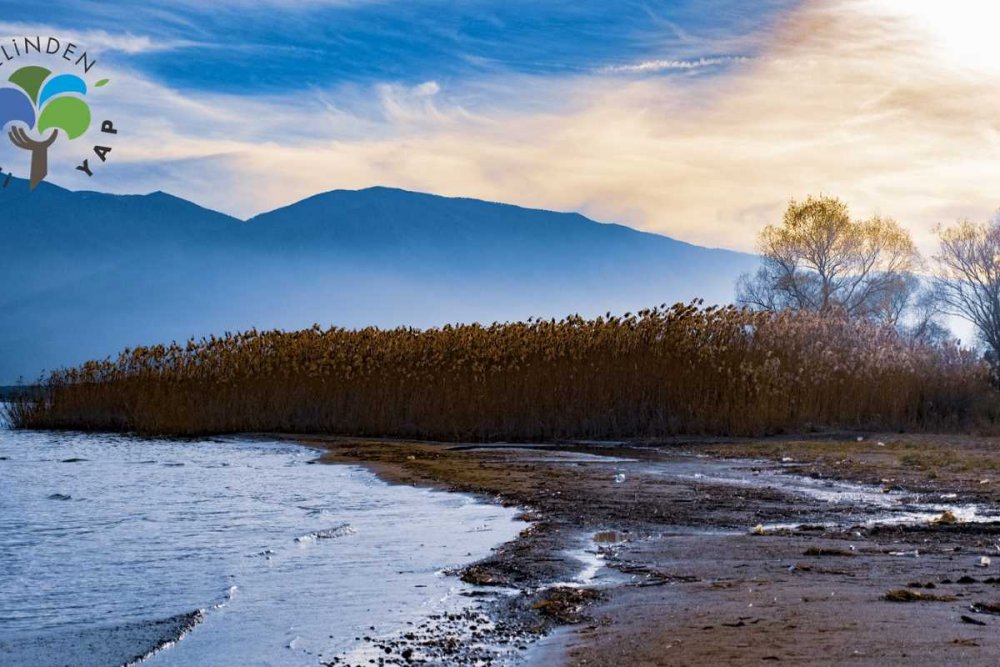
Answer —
85 274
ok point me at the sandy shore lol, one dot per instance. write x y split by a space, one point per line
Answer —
696 585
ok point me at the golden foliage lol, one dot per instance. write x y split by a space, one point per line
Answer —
820 259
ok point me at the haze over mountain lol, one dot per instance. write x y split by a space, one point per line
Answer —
84 274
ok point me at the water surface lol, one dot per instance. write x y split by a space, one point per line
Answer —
113 545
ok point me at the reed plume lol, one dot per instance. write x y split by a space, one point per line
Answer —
684 369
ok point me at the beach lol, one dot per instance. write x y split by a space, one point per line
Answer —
872 549
818 550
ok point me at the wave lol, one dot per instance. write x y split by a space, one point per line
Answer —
330 533
125 644
175 629
230 594
183 625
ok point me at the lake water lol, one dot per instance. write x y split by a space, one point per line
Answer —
113 546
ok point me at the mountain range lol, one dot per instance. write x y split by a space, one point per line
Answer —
86 274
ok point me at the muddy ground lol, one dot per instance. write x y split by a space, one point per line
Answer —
732 552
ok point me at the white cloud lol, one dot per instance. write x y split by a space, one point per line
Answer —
95 40
427 89
858 98
650 66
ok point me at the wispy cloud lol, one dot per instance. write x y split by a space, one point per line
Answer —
872 100
650 66
854 98
97 40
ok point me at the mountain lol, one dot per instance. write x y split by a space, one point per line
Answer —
85 274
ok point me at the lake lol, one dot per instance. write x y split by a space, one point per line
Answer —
217 552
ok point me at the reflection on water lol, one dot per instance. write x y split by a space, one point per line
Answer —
121 545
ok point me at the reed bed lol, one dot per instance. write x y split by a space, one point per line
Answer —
665 371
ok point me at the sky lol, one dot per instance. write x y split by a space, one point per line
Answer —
698 119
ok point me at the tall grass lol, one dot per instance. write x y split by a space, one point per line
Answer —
678 370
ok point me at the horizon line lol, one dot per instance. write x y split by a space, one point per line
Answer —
153 193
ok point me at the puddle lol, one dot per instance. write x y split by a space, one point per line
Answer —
852 504
859 504
546 455
591 554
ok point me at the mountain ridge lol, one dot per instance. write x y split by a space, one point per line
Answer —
85 274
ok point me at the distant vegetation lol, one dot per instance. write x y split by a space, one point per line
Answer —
152 269
678 370
839 329
818 259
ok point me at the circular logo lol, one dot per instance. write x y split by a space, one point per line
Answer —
40 105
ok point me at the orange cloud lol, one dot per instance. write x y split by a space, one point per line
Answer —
881 102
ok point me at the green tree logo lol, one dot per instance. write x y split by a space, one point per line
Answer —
39 102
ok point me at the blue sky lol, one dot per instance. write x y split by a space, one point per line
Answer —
697 119
253 47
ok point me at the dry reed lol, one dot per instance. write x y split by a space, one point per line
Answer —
664 371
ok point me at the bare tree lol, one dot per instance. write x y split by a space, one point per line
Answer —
921 321
968 277
819 259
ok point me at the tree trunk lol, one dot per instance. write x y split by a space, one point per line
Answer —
39 165
39 152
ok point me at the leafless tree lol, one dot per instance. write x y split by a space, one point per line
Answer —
967 277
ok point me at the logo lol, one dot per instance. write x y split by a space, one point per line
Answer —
40 106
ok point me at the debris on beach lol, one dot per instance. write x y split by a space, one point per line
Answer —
758 529
947 517
529 516
482 576
906 554
564 604
818 551
470 637
904 595
608 537
984 561
985 608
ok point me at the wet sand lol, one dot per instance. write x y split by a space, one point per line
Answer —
123 644
688 581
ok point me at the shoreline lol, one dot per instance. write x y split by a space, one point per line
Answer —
535 575
283 562
694 584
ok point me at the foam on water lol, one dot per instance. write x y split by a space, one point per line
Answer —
328 534
244 554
